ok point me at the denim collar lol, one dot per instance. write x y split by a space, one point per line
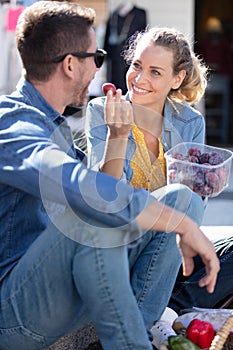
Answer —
35 99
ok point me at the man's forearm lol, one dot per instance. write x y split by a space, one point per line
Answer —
159 217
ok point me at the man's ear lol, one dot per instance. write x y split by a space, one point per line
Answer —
68 65
179 79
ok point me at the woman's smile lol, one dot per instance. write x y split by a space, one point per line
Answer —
139 91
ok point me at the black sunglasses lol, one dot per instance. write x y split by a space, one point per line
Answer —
99 56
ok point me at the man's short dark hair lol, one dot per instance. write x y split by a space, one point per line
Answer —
48 29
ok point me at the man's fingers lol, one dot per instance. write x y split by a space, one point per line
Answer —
210 279
188 266
212 268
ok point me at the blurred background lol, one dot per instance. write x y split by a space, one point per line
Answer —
207 23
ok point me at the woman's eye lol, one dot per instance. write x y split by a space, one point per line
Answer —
136 65
155 72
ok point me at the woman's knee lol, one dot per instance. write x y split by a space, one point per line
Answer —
182 198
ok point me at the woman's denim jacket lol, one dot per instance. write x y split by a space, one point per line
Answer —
181 123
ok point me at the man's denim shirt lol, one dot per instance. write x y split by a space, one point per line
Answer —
39 163
181 123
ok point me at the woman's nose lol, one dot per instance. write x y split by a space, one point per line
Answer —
141 76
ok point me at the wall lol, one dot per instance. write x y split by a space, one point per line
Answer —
178 13
100 7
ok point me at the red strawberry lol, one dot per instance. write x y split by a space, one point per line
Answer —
109 86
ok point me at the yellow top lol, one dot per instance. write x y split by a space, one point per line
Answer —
147 175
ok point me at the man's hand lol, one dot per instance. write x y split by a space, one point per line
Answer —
190 239
194 242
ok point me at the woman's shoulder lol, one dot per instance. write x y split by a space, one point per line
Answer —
96 102
182 111
94 116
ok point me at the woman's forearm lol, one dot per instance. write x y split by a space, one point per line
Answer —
113 160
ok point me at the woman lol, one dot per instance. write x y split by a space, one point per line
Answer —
164 79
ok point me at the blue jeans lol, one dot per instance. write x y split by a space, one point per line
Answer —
59 285
155 262
187 293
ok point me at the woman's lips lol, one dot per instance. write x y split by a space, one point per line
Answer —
139 91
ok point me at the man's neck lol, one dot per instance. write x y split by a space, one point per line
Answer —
52 93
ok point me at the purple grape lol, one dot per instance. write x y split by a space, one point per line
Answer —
204 157
194 152
223 175
207 168
207 190
199 179
215 158
204 180
178 156
212 180
193 159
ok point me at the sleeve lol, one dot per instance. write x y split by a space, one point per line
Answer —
199 134
37 160
199 130
193 129
96 132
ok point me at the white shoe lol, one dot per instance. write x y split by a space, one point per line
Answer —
161 331
169 315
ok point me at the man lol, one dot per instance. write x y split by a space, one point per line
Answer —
59 272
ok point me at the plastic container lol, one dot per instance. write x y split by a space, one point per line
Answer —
203 168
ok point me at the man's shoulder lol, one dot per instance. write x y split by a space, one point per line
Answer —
15 104
17 114
11 105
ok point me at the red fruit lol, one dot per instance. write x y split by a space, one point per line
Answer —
194 152
200 333
212 180
109 86
222 174
215 158
204 158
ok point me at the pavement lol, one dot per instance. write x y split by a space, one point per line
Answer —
84 339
